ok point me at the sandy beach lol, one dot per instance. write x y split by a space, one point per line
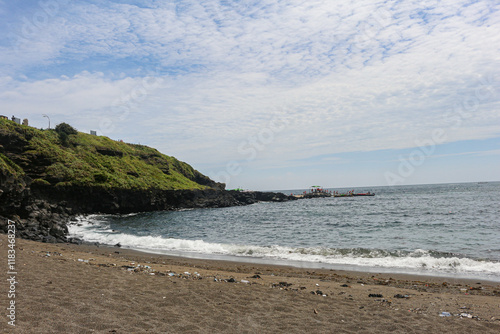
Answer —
66 288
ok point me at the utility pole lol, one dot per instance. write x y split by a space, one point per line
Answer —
47 118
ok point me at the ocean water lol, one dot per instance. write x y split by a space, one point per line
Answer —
450 230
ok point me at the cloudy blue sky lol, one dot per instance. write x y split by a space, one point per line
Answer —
269 94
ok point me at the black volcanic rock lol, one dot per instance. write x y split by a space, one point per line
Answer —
250 197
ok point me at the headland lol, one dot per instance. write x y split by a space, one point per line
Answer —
49 176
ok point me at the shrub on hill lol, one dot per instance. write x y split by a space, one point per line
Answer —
64 130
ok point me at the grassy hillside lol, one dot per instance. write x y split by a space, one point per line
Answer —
82 159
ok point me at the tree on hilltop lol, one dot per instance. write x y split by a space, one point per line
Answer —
64 130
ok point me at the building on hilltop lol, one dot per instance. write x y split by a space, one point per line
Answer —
16 120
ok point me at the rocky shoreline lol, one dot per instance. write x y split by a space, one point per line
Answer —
41 213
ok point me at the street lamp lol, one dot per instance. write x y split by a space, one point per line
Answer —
47 118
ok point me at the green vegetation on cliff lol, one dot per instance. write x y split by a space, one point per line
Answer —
51 157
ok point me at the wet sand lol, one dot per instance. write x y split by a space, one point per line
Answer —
66 288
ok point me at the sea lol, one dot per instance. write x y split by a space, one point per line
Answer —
449 230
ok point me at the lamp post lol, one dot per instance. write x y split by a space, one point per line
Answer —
47 118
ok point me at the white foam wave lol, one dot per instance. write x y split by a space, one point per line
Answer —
92 230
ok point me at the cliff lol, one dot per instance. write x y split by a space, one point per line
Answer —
47 176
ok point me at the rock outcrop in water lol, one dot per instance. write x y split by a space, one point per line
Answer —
250 197
45 179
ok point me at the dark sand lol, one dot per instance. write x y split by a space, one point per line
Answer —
85 289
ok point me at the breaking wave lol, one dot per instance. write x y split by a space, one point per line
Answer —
91 229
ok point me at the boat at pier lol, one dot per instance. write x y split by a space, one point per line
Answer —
318 191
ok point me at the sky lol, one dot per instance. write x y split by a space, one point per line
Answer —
271 94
